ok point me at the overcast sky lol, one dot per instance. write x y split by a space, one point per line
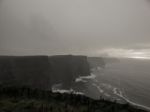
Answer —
119 28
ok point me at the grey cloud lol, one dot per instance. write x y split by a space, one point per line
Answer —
72 26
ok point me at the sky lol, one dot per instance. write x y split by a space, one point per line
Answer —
116 28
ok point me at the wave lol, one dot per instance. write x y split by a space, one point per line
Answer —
70 91
101 88
119 93
85 78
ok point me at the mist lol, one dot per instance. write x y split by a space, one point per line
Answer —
87 27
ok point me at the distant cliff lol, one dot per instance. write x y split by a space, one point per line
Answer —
42 71
96 62
66 68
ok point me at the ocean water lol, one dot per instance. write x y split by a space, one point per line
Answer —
126 80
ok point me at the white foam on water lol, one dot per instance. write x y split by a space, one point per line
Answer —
80 80
66 91
131 102
115 90
108 86
120 94
85 78
57 86
107 95
97 69
98 87
92 76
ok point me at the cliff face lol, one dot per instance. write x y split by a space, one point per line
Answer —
32 71
66 68
42 71
6 72
96 62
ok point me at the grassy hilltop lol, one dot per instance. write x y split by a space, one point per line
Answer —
13 99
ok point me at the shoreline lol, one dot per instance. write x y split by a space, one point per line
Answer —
133 103
136 104
93 76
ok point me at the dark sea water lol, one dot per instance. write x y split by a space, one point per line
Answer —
126 80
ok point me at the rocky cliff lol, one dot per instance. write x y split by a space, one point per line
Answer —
65 68
95 62
32 71
42 71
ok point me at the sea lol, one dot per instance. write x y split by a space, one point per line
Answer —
125 80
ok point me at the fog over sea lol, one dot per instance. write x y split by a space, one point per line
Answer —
125 80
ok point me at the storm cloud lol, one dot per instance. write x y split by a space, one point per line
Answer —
89 27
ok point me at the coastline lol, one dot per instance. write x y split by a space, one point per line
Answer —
134 104
93 76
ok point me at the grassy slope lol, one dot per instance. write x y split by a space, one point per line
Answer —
29 100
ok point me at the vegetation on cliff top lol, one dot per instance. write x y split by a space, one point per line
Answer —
24 99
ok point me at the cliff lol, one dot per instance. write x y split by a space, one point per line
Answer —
31 71
65 68
96 62
42 71
24 82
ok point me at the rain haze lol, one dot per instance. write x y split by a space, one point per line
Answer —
118 28
94 48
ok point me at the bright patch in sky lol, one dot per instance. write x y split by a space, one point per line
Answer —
126 53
